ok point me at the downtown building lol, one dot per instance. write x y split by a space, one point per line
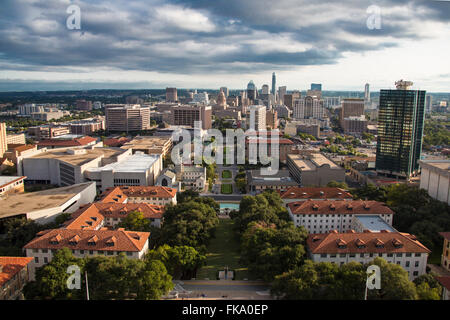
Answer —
187 115
309 107
127 118
400 131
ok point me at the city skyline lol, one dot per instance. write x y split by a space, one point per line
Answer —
196 44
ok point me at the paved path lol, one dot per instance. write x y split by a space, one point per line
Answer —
223 289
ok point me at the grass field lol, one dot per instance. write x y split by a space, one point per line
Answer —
226 174
223 251
226 188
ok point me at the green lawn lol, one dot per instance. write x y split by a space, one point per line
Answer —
226 174
226 188
223 251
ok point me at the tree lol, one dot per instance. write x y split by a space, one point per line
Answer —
182 262
267 207
336 184
135 221
270 250
190 223
329 281
51 279
427 287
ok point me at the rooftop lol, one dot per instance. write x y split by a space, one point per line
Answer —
120 194
5 180
79 159
316 193
355 207
147 142
22 203
311 161
281 177
374 223
106 240
10 266
138 162
67 141
441 165
352 242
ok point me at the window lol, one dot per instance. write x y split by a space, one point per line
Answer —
416 264
129 253
390 255
417 255
408 255
45 260
342 255
398 255
407 264
44 250
416 273
352 255
36 259
323 255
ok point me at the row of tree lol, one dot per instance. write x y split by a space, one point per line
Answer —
270 243
328 281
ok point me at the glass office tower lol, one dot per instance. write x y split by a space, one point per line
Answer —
400 131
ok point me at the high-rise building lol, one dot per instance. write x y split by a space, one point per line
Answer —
316 86
428 103
186 115
274 83
257 117
3 141
281 93
171 95
367 93
251 91
308 108
289 99
351 107
225 91
265 89
400 130
84 105
127 118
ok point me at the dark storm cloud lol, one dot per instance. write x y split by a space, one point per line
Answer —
200 36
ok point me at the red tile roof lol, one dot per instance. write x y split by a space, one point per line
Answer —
444 281
315 193
270 141
67 143
138 191
446 235
113 195
374 242
131 241
114 142
10 266
90 217
21 147
339 207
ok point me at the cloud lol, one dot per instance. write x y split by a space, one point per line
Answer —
203 36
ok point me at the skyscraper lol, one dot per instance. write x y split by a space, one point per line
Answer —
257 118
281 92
251 91
171 95
428 103
3 143
367 93
400 130
225 91
265 89
274 83
316 86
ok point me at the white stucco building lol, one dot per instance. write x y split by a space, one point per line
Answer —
435 178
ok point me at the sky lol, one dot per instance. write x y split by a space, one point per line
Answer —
149 44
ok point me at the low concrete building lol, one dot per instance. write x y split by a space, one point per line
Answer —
138 169
314 169
257 183
150 145
67 166
191 177
168 178
45 206
435 178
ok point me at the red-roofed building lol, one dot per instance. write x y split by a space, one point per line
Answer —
62 143
399 248
445 283
13 276
445 261
295 194
116 142
156 195
319 216
85 243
